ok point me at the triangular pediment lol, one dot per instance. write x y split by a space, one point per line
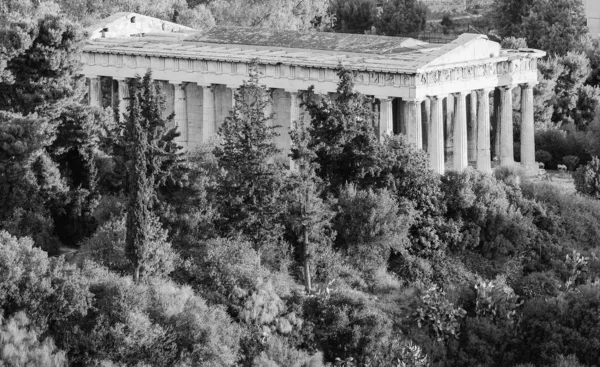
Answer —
466 48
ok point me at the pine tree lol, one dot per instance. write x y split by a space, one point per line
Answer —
341 134
151 155
249 189
311 216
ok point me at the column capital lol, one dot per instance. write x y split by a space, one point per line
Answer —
233 86
177 82
120 78
90 76
461 93
205 85
438 97
414 100
484 90
506 87
290 91
384 98
528 85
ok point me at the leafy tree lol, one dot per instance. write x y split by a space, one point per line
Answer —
21 347
249 190
401 16
555 26
587 178
370 225
277 14
341 134
513 43
40 72
151 156
507 16
353 15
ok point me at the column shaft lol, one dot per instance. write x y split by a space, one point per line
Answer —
472 127
426 117
527 128
436 141
484 163
386 118
180 109
460 133
413 123
497 127
122 97
404 116
94 92
506 127
208 113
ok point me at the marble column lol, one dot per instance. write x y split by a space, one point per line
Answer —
122 96
386 117
94 91
449 128
460 133
269 107
484 158
180 109
497 117
414 128
436 138
404 116
426 117
506 126
527 128
208 112
472 127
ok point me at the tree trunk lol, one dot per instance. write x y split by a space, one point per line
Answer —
307 279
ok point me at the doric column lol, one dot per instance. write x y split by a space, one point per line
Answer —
506 126
269 107
404 115
426 117
436 141
484 158
460 132
94 91
413 123
496 121
208 112
386 117
180 109
527 128
122 96
449 128
472 127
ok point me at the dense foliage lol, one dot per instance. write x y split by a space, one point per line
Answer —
358 256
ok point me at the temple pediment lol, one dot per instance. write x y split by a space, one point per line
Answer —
466 48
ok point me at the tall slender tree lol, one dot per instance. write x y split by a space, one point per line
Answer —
151 155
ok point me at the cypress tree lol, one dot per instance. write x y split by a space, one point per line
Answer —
151 155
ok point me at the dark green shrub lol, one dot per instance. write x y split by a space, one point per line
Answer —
571 162
558 144
587 179
544 157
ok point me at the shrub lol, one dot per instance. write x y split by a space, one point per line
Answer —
571 162
439 314
558 144
587 179
46 289
107 247
19 345
279 353
543 157
369 225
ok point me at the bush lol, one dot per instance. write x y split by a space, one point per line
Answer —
369 225
543 157
571 162
587 179
19 345
107 247
558 144
279 353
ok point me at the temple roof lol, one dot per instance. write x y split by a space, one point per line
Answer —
134 34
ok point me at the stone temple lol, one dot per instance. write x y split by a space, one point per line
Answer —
455 100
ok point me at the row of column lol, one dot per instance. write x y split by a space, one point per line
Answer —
470 142
204 108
